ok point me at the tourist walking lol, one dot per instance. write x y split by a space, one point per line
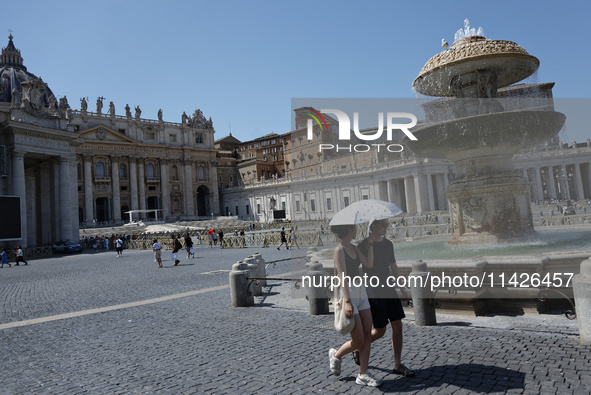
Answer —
4 259
221 237
176 246
293 238
283 239
119 247
157 248
106 243
188 244
20 256
347 259
215 238
384 301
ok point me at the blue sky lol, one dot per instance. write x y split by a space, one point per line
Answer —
242 62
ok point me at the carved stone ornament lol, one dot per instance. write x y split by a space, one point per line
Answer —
101 133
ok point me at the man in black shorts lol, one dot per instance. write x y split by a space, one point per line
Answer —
384 301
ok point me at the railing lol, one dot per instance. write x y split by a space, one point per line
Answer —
260 240
31 252
563 220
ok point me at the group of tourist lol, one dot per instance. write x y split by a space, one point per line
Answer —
368 307
293 239
176 246
20 257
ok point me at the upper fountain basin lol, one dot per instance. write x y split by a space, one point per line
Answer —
508 61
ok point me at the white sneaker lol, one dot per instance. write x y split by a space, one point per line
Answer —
368 379
335 363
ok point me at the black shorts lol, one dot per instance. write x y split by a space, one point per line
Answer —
384 310
119 249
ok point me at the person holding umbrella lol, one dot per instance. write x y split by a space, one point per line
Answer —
384 301
348 258
359 212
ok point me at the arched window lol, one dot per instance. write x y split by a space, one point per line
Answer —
175 173
150 170
99 169
123 171
201 172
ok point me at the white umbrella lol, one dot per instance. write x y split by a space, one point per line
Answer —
365 211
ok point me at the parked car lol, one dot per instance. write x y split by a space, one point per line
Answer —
67 246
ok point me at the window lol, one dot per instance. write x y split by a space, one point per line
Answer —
313 205
172 138
329 204
199 138
201 172
99 169
346 201
122 131
175 173
297 206
282 205
236 213
150 170
150 136
365 197
247 209
258 208
123 171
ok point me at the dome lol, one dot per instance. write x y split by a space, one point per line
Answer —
506 59
17 85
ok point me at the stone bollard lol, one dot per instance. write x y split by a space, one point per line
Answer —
317 293
582 291
262 272
253 268
422 296
239 286
311 251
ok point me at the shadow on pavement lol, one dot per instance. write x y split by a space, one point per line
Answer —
471 377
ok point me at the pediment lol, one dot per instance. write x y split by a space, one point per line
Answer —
104 133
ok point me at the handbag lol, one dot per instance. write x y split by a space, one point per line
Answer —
343 324
174 256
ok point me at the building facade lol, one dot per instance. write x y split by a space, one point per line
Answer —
79 167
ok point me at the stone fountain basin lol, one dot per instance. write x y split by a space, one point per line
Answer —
509 68
487 299
505 133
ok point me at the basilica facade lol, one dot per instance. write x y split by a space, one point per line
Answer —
73 168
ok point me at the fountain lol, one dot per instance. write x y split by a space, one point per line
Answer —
480 127
479 122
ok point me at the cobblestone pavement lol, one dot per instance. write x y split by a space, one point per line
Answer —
199 344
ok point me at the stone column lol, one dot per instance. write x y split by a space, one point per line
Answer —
164 188
133 183
551 183
188 185
409 194
19 189
55 198
141 181
421 201
389 190
564 182
116 187
88 198
45 203
216 193
31 204
75 235
431 195
65 199
539 186
578 183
